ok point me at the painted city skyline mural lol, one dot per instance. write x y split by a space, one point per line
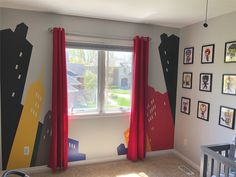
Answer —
25 139
15 53
26 129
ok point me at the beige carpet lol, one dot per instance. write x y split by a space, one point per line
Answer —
161 166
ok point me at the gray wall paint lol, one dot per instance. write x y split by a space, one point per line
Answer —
188 127
41 60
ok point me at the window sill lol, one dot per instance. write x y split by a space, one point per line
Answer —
99 115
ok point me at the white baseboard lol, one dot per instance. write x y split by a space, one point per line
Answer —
120 157
98 160
187 160
41 169
44 168
159 152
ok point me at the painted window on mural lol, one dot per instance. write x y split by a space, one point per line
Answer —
99 81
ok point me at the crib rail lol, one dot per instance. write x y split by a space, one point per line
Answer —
218 161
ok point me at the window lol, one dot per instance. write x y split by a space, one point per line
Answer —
99 81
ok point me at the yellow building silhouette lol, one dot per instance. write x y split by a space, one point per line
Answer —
148 145
23 145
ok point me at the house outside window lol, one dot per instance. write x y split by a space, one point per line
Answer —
99 80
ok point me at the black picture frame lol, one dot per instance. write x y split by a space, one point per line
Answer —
207 54
205 82
229 118
188 56
203 110
187 78
229 84
230 52
185 105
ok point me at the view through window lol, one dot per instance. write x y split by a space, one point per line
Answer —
99 81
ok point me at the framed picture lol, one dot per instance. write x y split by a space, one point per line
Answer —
205 82
187 80
230 52
229 84
188 55
207 55
227 117
203 110
185 105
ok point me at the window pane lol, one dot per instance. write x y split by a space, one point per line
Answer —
82 71
118 81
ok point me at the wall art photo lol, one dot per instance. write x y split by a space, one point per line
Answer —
229 84
230 52
185 105
188 55
205 82
187 80
207 55
227 117
203 109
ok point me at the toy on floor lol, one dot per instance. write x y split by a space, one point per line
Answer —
14 172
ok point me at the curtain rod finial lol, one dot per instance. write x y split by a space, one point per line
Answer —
50 29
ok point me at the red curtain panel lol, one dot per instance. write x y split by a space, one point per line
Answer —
59 147
136 145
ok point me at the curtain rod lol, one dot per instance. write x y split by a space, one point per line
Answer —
98 36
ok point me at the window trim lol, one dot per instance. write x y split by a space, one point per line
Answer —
99 116
94 46
101 81
100 112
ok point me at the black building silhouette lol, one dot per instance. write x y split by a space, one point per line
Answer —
15 56
169 54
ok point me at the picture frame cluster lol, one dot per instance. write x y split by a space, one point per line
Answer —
227 115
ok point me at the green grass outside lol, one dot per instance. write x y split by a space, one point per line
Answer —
115 94
119 91
123 102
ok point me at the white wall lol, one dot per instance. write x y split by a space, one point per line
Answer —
189 127
98 137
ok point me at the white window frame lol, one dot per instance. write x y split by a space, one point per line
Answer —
100 112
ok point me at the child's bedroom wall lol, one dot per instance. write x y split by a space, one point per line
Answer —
96 138
190 131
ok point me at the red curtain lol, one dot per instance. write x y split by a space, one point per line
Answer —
136 145
59 146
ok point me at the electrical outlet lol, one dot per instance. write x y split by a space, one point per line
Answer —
26 150
185 141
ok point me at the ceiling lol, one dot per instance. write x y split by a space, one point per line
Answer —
172 13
